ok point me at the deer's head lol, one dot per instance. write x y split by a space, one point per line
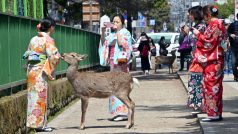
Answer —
173 52
73 58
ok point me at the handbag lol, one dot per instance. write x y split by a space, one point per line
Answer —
122 58
185 46
153 52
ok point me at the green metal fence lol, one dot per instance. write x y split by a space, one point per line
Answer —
27 8
15 34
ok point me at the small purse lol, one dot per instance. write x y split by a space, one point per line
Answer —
122 59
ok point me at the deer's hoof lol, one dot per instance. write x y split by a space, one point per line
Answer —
82 127
128 126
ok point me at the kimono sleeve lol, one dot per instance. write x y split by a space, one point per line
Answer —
53 59
209 40
126 43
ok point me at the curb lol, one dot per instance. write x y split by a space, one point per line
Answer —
185 85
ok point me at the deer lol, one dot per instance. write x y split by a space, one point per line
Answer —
169 60
99 85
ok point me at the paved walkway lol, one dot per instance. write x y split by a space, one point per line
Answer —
229 125
160 108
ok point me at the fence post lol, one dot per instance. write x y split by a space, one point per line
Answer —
42 9
25 8
34 8
15 7
3 5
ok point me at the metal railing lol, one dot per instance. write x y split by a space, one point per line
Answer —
15 34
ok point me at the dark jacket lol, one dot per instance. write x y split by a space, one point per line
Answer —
144 45
233 29
163 45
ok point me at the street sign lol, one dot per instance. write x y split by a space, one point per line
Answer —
152 22
141 20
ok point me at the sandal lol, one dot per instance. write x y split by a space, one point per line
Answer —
45 129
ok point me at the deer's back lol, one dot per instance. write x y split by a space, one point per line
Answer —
101 84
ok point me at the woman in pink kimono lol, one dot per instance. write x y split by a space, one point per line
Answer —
42 58
210 55
115 50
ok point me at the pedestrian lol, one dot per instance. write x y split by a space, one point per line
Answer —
228 54
152 53
115 50
195 96
163 45
184 46
144 48
42 58
162 50
210 55
233 37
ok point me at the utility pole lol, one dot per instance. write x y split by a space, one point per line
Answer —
91 16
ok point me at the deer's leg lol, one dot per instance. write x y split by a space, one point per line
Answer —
131 106
155 67
84 106
169 69
172 69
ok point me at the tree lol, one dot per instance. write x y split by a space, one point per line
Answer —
152 9
226 9
160 13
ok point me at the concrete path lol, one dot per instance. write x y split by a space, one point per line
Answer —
229 125
160 108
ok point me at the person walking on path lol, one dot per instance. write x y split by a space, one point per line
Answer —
115 50
152 53
210 55
184 39
162 50
233 37
42 58
163 45
195 96
144 49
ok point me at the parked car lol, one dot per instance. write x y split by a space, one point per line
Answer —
170 37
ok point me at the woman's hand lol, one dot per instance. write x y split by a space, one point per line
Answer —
195 31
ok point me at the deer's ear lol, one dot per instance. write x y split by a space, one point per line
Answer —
81 57
85 56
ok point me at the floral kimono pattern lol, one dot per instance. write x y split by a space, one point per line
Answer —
195 96
38 72
210 55
109 54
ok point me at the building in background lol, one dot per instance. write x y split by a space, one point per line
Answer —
91 15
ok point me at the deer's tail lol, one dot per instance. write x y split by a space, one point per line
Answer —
136 82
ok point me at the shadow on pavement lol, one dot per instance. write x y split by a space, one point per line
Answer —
162 75
180 108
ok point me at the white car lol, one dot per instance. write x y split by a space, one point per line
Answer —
170 37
